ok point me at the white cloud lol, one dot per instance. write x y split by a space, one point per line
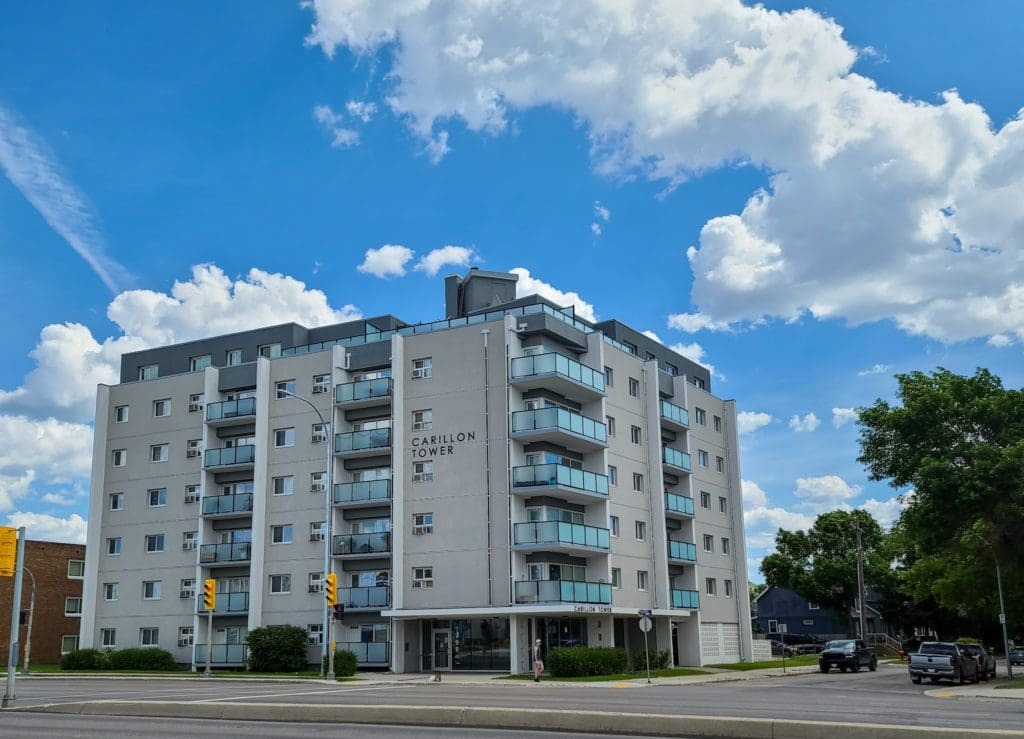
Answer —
387 261
878 206
40 526
875 369
34 452
330 122
1000 341
885 511
691 323
824 493
363 110
843 416
748 422
695 352
762 522
455 256
753 495
595 228
58 499
528 285
652 336
35 171
603 215
807 423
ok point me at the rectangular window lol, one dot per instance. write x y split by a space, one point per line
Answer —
723 505
321 384
110 591
198 364
728 589
120 413
191 493
76 569
119 457
710 586
149 636
149 371
316 530
720 464
316 582
641 530
617 578
314 635
195 402
641 580
423 523
116 501
702 458
609 377
233 357
812 606
705 500
635 434
162 408
284 389
284 437
152 589
700 416
671 369
189 540
108 638
280 584
317 482
114 545
613 525
284 485
634 387
613 475
422 368
609 422
185 636
193 448
159 452
69 643
319 433
154 543
157 498
422 578
423 420
725 545
709 543
698 382
270 351
718 428
188 588
281 534
422 471
638 482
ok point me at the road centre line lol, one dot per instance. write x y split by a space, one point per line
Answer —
281 695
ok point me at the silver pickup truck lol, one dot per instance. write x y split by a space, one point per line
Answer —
942 660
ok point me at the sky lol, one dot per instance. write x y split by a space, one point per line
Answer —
810 200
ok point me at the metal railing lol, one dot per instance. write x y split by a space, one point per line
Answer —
237 503
243 454
375 596
561 532
239 551
679 503
675 413
685 599
237 602
561 419
378 542
362 492
683 550
675 457
559 474
553 363
357 441
348 392
231 409
563 591
222 654
374 653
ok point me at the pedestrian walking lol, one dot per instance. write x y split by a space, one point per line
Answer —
538 663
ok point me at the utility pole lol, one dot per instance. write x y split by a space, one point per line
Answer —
862 595
12 654
1002 618
31 612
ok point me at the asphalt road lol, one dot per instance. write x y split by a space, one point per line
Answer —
886 696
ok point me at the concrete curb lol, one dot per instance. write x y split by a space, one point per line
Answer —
517 718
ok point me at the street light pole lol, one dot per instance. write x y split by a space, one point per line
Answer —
861 594
31 612
1002 604
326 650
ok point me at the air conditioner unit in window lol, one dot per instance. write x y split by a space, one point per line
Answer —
319 437
187 594
189 547
318 588
320 388
194 407
191 454
423 477
317 487
191 497
417 584
420 373
416 530
316 536
184 642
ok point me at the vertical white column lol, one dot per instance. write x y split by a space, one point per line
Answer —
257 578
656 489
399 474
97 497
741 589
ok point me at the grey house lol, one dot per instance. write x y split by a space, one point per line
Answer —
776 606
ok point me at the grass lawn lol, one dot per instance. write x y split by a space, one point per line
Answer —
800 660
667 672
1014 685
55 670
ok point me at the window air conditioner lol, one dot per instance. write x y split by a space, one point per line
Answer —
194 407
191 454
316 536
319 438
317 487
419 373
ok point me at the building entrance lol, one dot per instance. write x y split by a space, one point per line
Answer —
442 649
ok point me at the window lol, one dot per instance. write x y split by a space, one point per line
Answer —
423 420
119 457
641 530
114 545
191 493
120 413
609 376
157 498
317 482
812 606
188 588
613 525
728 589
189 540
725 545
233 357
720 464
284 485
634 387
281 534
671 369
154 543
649 356
284 389
195 402
638 482
149 636
193 448
76 569
423 523
635 434
149 371
773 626
108 637
641 580
710 585
319 433
280 584
709 543
617 578
718 428
702 458
422 578
699 383
609 422
185 636
69 643
198 364
284 437
159 452
422 368
321 384
314 635
162 408
110 591
705 500
613 475
152 589
116 501
422 471
316 582
316 530
723 504
701 416
270 351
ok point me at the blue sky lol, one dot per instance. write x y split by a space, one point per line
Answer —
139 142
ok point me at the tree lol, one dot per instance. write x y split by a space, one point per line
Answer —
820 564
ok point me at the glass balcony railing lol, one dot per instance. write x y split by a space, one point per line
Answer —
228 603
675 413
243 454
376 596
375 543
359 441
685 599
557 364
222 654
679 504
231 409
363 390
362 492
560 474
556 533
675 457
218 504
239 551
682 550
563 591
560 419
373 653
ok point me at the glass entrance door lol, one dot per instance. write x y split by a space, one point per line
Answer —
442 649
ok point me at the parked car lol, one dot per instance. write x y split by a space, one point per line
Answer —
847 654
794 638
779 649
942 660
1017 656
986 661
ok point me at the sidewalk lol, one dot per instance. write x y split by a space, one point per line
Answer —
977 690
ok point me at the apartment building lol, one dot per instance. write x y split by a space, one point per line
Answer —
508 473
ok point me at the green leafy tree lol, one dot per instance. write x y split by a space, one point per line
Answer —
277 649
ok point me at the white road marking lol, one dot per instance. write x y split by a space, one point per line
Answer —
303 692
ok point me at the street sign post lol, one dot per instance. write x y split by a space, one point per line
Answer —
645 626
783 629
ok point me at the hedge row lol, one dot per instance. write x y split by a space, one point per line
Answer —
583 661
146 658
659 660
345 663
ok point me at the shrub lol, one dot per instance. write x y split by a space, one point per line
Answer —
80 659
659 660
345 663
144 658
583 661
277 649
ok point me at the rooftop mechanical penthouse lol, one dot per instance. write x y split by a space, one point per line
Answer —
509 473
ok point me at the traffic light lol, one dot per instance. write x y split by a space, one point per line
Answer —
339 611
8 550
209 594
331 588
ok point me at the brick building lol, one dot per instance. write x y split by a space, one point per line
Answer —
58 570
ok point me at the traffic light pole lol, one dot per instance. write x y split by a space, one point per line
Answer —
209 643
12 653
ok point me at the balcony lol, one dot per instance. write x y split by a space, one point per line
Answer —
363 443
570 483
362 546
558 373
363 393
560 536
371 598
231 412
563 591
228 604
560 426
227 655
686 599
681 552
219 555
675 460
678 506
227 506
231 457
674 417
376 654
362 494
